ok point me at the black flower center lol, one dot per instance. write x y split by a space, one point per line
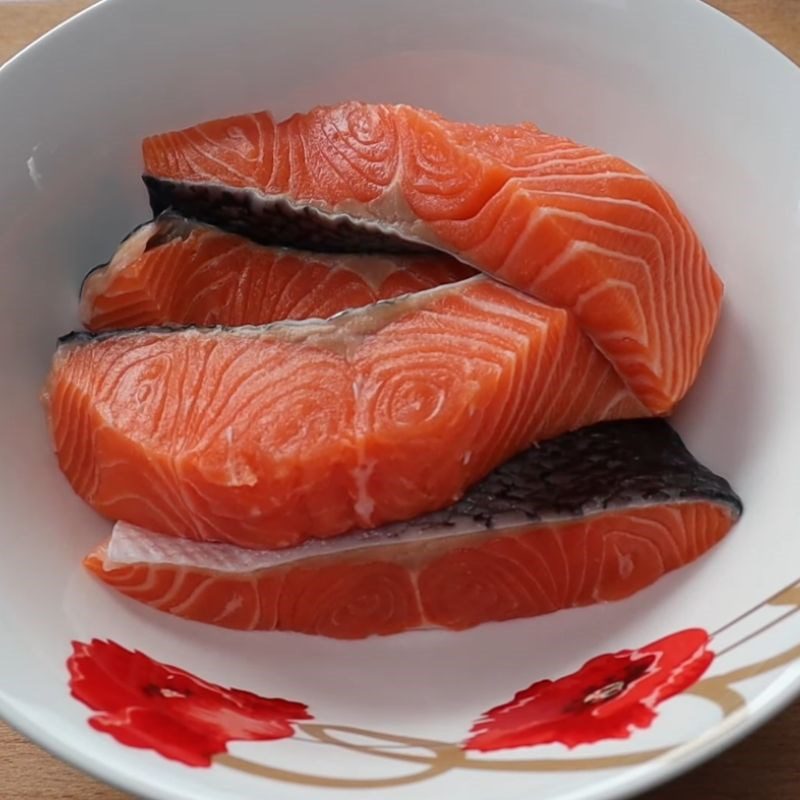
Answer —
604 693
615 683
153 690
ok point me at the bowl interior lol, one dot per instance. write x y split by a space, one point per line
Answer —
694 100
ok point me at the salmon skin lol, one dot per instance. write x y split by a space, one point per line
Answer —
266 436
591 516
570 225
173 271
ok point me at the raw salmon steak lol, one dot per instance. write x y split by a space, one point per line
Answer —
264 436
176 272
571 226
591 516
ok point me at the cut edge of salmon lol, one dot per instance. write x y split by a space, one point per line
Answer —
161 260
449 581
322 332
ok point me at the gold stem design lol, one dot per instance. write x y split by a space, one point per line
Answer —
322 733
567 764
718 692
762 629
456 757
773 600
718 688
287 776
444 757
752 670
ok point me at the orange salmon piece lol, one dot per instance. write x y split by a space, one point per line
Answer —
570 225
589 517
266 436
176 272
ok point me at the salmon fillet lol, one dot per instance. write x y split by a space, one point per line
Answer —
570 225
173 271
266 436
592 516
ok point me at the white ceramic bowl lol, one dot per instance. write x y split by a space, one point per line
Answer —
673 86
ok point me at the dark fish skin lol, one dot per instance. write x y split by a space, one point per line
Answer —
273 222
169 226
77 338
106 263
603 467
90 273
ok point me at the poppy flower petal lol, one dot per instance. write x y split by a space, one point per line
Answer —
145 704
608 698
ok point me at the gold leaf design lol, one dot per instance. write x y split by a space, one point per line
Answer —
789 597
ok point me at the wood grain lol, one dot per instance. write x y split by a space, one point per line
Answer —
764 767
22 22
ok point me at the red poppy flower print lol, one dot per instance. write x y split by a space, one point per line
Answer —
607 698
143 703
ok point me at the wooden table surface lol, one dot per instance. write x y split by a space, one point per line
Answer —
764 767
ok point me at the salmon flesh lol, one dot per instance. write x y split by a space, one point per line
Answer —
265 436
570 225
594 515
174 271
